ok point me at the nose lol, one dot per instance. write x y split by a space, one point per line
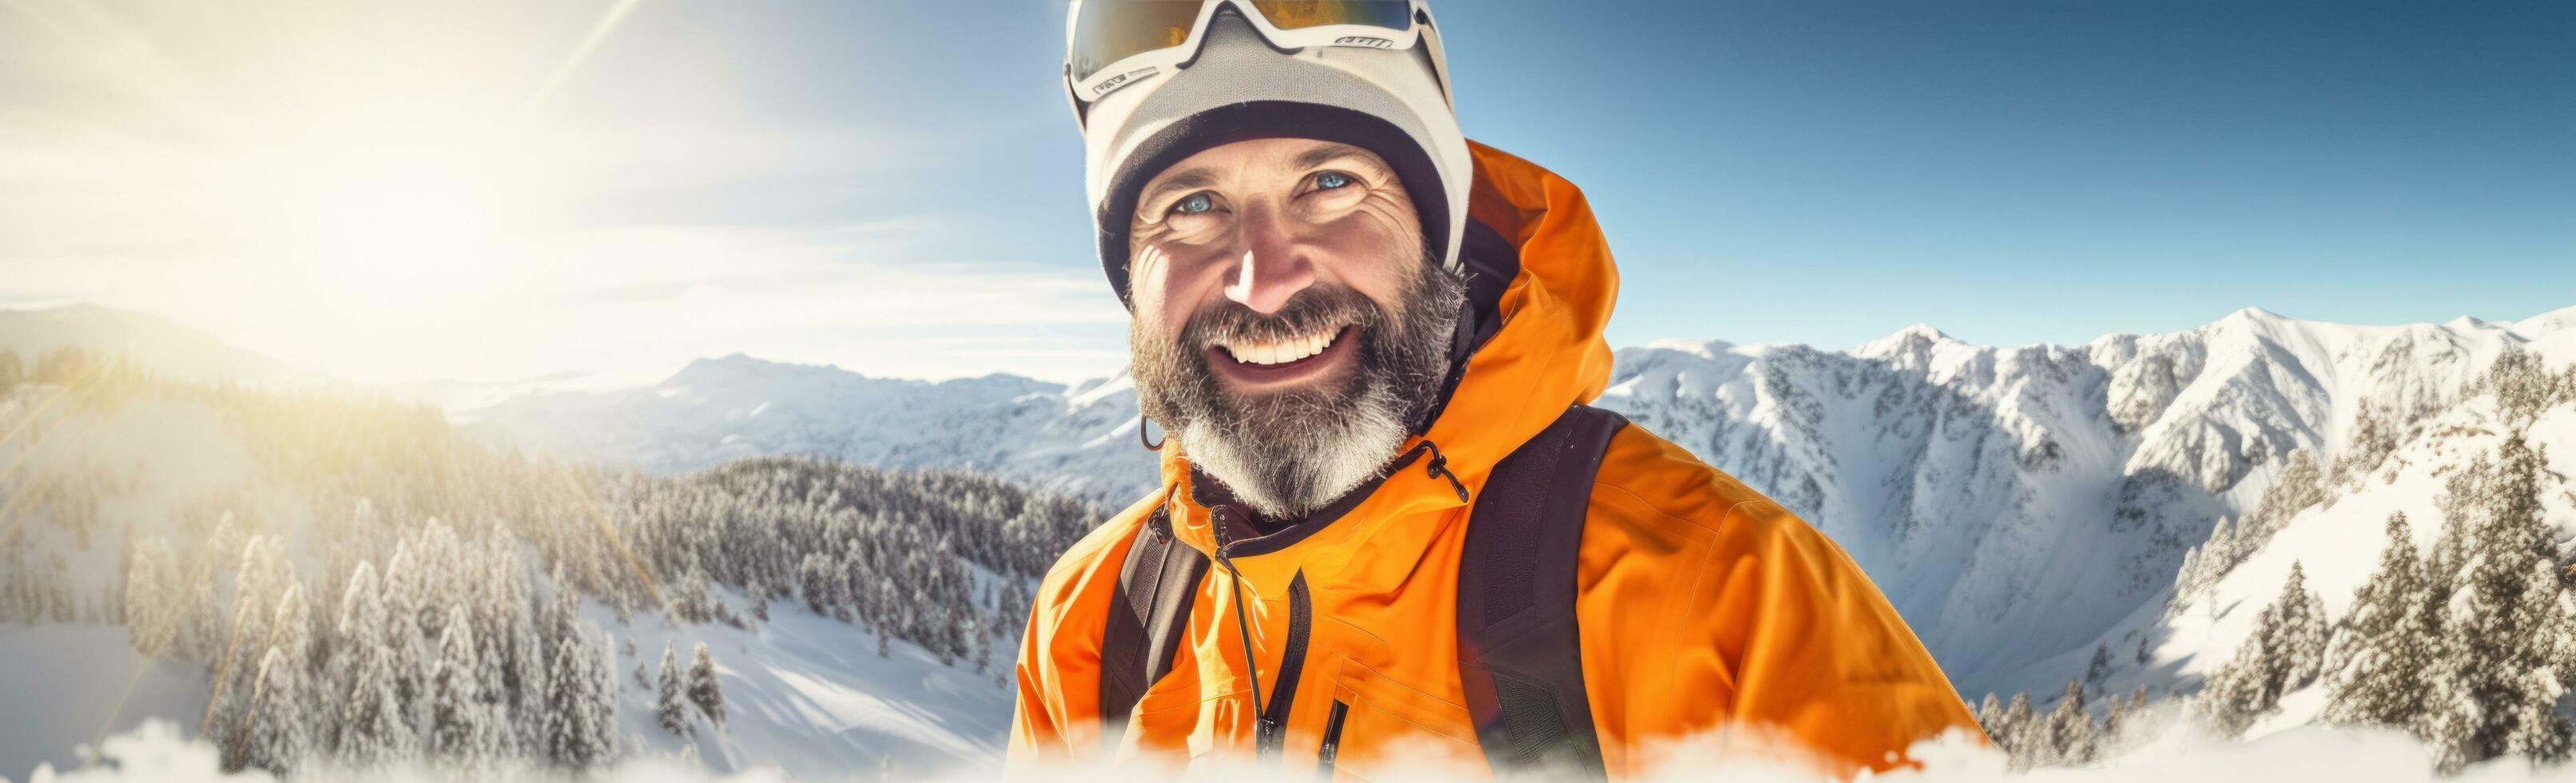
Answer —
1274 265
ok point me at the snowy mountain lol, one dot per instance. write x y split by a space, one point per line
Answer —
170 349
2017 504
1079 439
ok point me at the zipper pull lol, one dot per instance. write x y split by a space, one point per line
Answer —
1439 468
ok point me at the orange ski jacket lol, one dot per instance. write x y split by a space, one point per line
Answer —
1701 604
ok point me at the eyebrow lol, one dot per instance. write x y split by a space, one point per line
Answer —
1326 154
1187 180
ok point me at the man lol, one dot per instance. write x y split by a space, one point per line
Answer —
1387 533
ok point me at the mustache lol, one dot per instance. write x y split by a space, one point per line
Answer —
1314 310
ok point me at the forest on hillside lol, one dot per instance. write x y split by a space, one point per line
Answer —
384 588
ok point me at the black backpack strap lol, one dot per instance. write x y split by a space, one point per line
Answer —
1147 614
1519 655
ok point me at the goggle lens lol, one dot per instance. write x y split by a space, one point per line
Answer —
1298 14
1113 30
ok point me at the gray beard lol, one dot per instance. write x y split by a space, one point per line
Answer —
1287 453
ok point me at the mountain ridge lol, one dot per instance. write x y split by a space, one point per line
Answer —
2014 502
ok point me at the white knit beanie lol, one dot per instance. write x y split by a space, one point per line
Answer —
1240 87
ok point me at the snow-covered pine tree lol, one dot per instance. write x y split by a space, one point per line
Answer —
2283 653
1990 715
580 713
2015 731
695 599
151 597
370 723
261 575
2522 385
2112 718
2300 486
517 652
704 690
2387 649
2068 738
409 654
820 582
2374 438
671 702
602 669
463 729
2461 504
277 738
2303 633
2099 670
2504 622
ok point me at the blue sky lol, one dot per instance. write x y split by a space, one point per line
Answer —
1830 171
896 186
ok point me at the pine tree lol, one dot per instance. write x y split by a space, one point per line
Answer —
275 729
371 723
672 705
2501 687
463 728
151 597
2284 644
2373 439
1990 715
2303 634
2067 737
2388 649
201 634
2017 721
703 688
2300 486
403 645
277 739
2100 669
821 583
580 712
2112 718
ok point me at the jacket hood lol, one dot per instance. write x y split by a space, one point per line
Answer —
1545 351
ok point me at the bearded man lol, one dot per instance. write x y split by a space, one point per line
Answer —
1388 532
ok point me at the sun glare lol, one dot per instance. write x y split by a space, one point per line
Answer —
358 178
400 229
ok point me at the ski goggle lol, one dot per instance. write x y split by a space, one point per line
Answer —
1114 43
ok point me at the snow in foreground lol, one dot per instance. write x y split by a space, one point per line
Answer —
157 752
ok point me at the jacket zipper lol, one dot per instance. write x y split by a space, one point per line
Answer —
1271 731
1332 749
1270 718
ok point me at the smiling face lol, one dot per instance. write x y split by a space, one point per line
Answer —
1289 329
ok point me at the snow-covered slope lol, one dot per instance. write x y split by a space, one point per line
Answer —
2017 504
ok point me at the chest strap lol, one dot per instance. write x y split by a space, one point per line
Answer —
1519 654
1148 614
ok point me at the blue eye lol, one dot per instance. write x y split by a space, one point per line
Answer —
1194 204
1331 179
